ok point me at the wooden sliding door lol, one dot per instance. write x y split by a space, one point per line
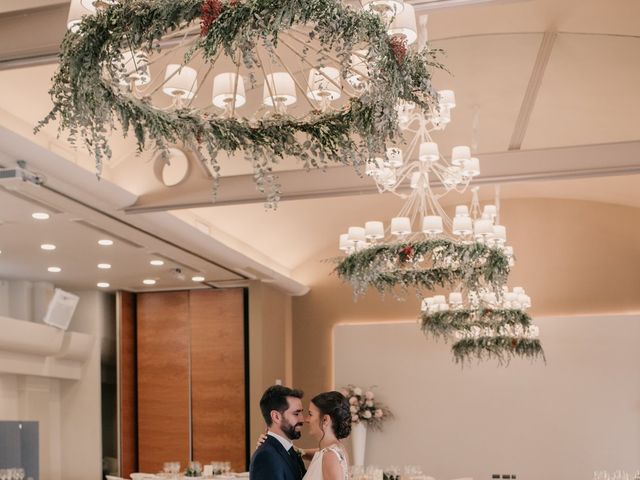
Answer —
163 379
218 376
189 370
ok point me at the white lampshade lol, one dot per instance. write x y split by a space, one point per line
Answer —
374 230
180 81
404 25
345 243
460 154
324 83
443 116
224 86
394 156
400 225
439 299
429 152
134 66
356 234
76 12
387 177
432 224
426 304
471 167
524 300
489 211
373 166
462 211
500 233
446 99
462 225
455 298
358 69
393 6
483 228
279 87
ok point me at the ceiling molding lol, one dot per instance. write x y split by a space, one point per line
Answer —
505 167
531 93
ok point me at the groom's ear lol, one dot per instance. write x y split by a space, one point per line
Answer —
276 416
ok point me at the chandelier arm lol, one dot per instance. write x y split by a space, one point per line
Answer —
206 75
337 85
317 50
183 43
235 85
295 80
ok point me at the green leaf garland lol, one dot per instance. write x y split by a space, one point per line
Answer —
88 104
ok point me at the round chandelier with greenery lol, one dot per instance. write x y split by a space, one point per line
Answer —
323 79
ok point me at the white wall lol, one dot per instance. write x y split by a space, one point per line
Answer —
68 411
563 420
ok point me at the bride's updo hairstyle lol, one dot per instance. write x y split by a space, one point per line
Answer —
336 406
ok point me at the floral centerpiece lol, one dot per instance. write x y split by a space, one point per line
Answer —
365 407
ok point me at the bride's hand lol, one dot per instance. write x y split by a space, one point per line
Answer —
261 439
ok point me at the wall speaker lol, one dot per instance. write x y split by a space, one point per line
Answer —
61 308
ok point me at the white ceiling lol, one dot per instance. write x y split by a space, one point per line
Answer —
585 94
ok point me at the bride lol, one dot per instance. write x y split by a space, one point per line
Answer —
329 422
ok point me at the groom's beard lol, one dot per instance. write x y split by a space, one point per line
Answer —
290 430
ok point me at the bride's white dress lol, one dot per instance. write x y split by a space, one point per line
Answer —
315 468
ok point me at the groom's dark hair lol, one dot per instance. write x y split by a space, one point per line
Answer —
275 398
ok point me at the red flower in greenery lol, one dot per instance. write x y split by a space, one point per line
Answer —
211 10
399 48
406 253
514 342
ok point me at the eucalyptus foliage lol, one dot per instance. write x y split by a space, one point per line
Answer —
88 101
501 348
423 265
444 324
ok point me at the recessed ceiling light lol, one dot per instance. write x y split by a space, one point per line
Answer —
54 269
156 263
47 246
103 285
198 278
148 281
104 266
105 242
40 215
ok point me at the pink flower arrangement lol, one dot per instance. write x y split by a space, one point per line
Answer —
365 407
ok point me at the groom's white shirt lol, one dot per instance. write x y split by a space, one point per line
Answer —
285 442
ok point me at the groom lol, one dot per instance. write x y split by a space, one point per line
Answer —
276 459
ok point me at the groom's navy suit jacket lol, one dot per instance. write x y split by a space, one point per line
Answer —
272 462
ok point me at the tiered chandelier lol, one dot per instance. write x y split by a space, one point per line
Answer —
316 81
424 248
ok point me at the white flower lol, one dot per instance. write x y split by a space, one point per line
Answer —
344 392
354 418
378 413
353 400
367 414
369 403
368 395
357 391
353 409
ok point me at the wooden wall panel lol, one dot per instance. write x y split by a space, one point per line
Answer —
127 384
218 376
163 379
